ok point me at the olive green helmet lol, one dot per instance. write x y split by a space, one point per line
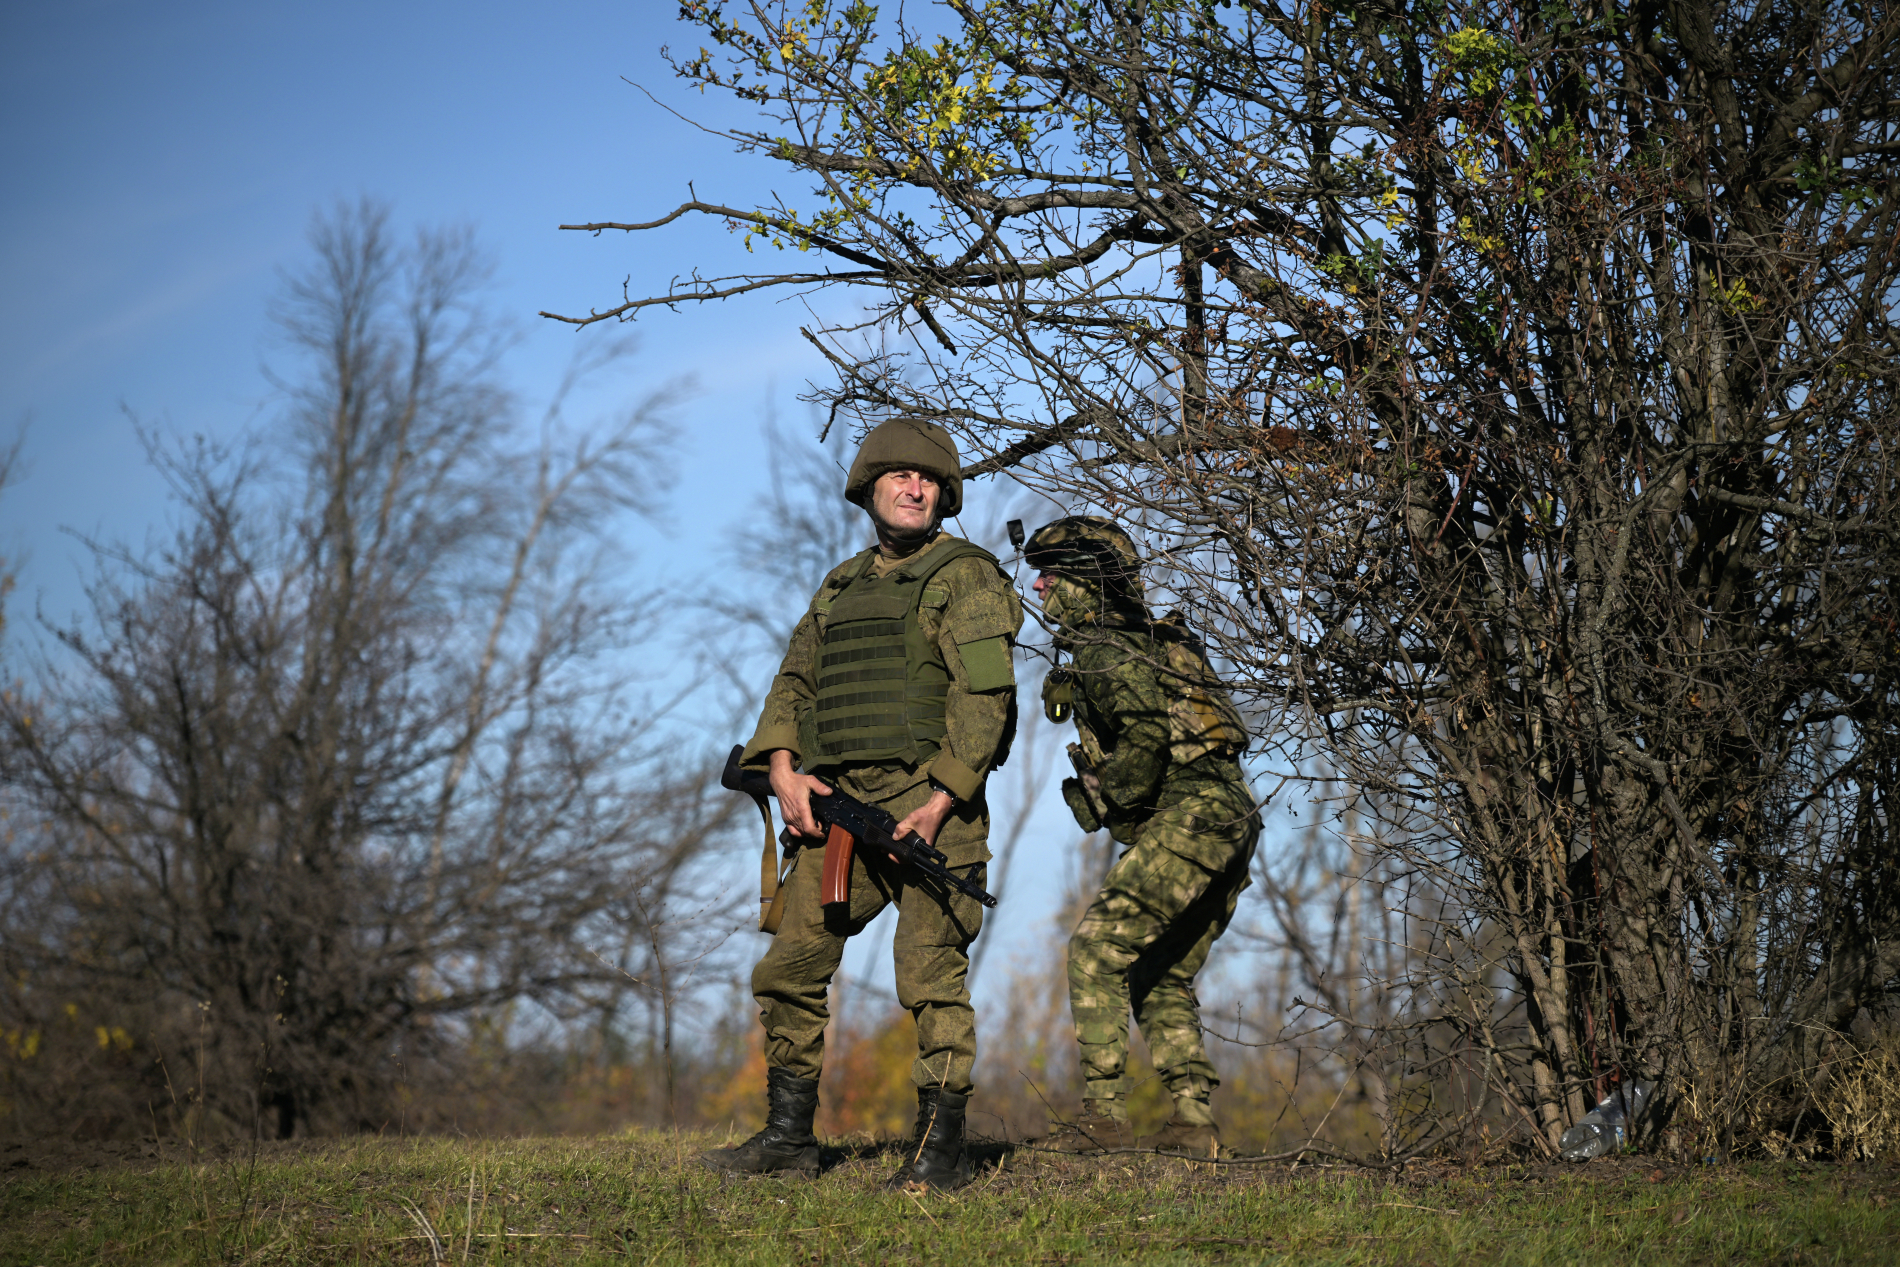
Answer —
908 444
1089 549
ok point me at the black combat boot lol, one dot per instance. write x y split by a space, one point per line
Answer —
786 1143
934 1156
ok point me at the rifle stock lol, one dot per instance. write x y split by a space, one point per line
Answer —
866 824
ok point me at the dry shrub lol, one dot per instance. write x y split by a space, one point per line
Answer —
1272 1100
1852 1108
1026 1054
1862 1102
738 1103
866 1087
1722 1109
73 1070
91 1069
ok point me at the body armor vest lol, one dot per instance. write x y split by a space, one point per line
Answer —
883 686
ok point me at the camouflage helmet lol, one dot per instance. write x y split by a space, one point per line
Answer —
908 444
1089 549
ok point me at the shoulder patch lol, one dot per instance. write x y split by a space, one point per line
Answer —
987 664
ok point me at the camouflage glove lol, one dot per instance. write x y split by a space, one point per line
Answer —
1076 797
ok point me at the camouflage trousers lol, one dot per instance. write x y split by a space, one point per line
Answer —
1142 941
932 952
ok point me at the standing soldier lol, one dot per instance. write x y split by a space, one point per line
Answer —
1157 765
899 688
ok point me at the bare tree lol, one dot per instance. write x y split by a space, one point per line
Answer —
1509 390
353 760
9 473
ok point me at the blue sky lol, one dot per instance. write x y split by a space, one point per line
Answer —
164 161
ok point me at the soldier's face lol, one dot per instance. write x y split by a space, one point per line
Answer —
1063 600
905 500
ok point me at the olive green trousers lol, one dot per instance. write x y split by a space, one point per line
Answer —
935 927
1142 941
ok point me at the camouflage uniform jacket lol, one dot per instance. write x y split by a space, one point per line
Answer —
967 602
1125 700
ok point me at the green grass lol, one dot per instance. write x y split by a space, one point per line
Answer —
639 1198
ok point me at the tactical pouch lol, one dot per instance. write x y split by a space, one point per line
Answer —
1076 797
1058 695
1201 715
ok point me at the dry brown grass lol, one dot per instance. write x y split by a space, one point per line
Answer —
1862 1102
68 1080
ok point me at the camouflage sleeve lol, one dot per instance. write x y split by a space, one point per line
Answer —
1123 686
973 614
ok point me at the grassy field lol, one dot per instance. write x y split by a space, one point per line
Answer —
639 1198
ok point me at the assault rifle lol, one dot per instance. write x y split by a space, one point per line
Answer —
848 821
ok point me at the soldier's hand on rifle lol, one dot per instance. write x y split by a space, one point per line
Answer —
794 792
927 819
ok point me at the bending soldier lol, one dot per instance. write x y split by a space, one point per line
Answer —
1157 765
898 687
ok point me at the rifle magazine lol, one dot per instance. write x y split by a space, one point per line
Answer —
839 846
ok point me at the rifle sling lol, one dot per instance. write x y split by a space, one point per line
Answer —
771 877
